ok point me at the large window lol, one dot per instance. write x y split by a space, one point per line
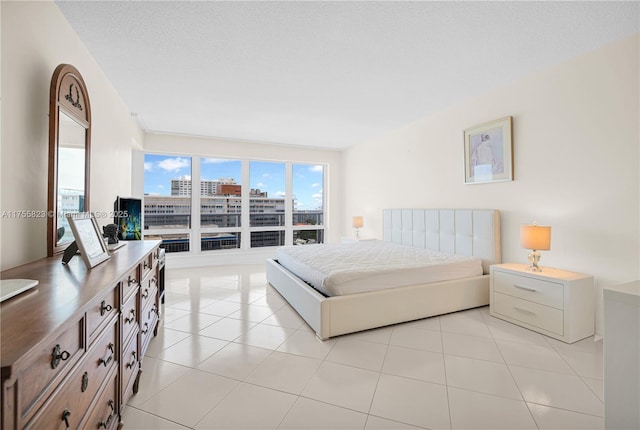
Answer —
308 203
220 203
220 192
241 204
267 203
167 200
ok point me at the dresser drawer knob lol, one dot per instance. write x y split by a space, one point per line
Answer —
146 293
104 308
85 382
146 265
146 328
132 318
533 290
524 310
133 362
65 417
106 423
131 280
108 360
152 311
57 356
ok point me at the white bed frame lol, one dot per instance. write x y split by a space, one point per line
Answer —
472 232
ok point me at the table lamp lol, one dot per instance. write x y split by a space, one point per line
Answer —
357 223
536 238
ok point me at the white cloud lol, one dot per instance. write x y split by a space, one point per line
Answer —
260 185
315 185
280 193
266 175
317 196
174 164
316 169
160 186
148 166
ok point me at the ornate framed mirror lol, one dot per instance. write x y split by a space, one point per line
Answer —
69 154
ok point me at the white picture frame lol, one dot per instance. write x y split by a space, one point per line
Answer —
488 152
91 245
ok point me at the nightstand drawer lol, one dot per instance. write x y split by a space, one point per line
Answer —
531 289
537 315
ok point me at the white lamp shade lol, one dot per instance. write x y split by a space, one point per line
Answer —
358 222
536 237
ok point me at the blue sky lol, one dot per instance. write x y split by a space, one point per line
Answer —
267 176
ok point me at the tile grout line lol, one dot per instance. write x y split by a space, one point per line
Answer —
513 378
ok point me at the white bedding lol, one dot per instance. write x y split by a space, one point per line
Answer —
372 265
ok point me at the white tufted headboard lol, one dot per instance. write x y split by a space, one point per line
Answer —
472 232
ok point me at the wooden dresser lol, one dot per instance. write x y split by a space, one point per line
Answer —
72 347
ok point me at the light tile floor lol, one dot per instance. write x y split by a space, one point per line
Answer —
232 354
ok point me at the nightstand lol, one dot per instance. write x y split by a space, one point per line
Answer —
556 303
355 240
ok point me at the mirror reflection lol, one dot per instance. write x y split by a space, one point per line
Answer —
71 170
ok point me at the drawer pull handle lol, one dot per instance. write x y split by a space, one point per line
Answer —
56 356
524 310
106 423
146 328
133 363
132 318
154 280
104 308
65 417
85 382
533 290
146 265
151 311
131 281
146 293
108 360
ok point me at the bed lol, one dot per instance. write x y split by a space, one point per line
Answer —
465 232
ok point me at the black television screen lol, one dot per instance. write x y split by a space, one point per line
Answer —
128 217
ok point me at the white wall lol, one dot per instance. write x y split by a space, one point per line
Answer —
209 147
35 39
576 149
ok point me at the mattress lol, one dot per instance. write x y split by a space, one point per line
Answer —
336 270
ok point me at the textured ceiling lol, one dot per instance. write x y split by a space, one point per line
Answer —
326 74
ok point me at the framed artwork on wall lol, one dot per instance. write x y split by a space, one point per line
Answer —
488 152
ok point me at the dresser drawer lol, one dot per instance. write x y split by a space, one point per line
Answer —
147 265
531 289
105 413
73 398
130 314
101 312
130 283
148 296
130 366
148 323
534 314
48 365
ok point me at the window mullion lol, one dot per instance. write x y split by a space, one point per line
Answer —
246 206
288 204
195 205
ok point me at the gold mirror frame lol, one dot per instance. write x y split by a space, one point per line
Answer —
68 94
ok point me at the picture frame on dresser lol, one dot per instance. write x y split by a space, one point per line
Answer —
488 152
88 238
